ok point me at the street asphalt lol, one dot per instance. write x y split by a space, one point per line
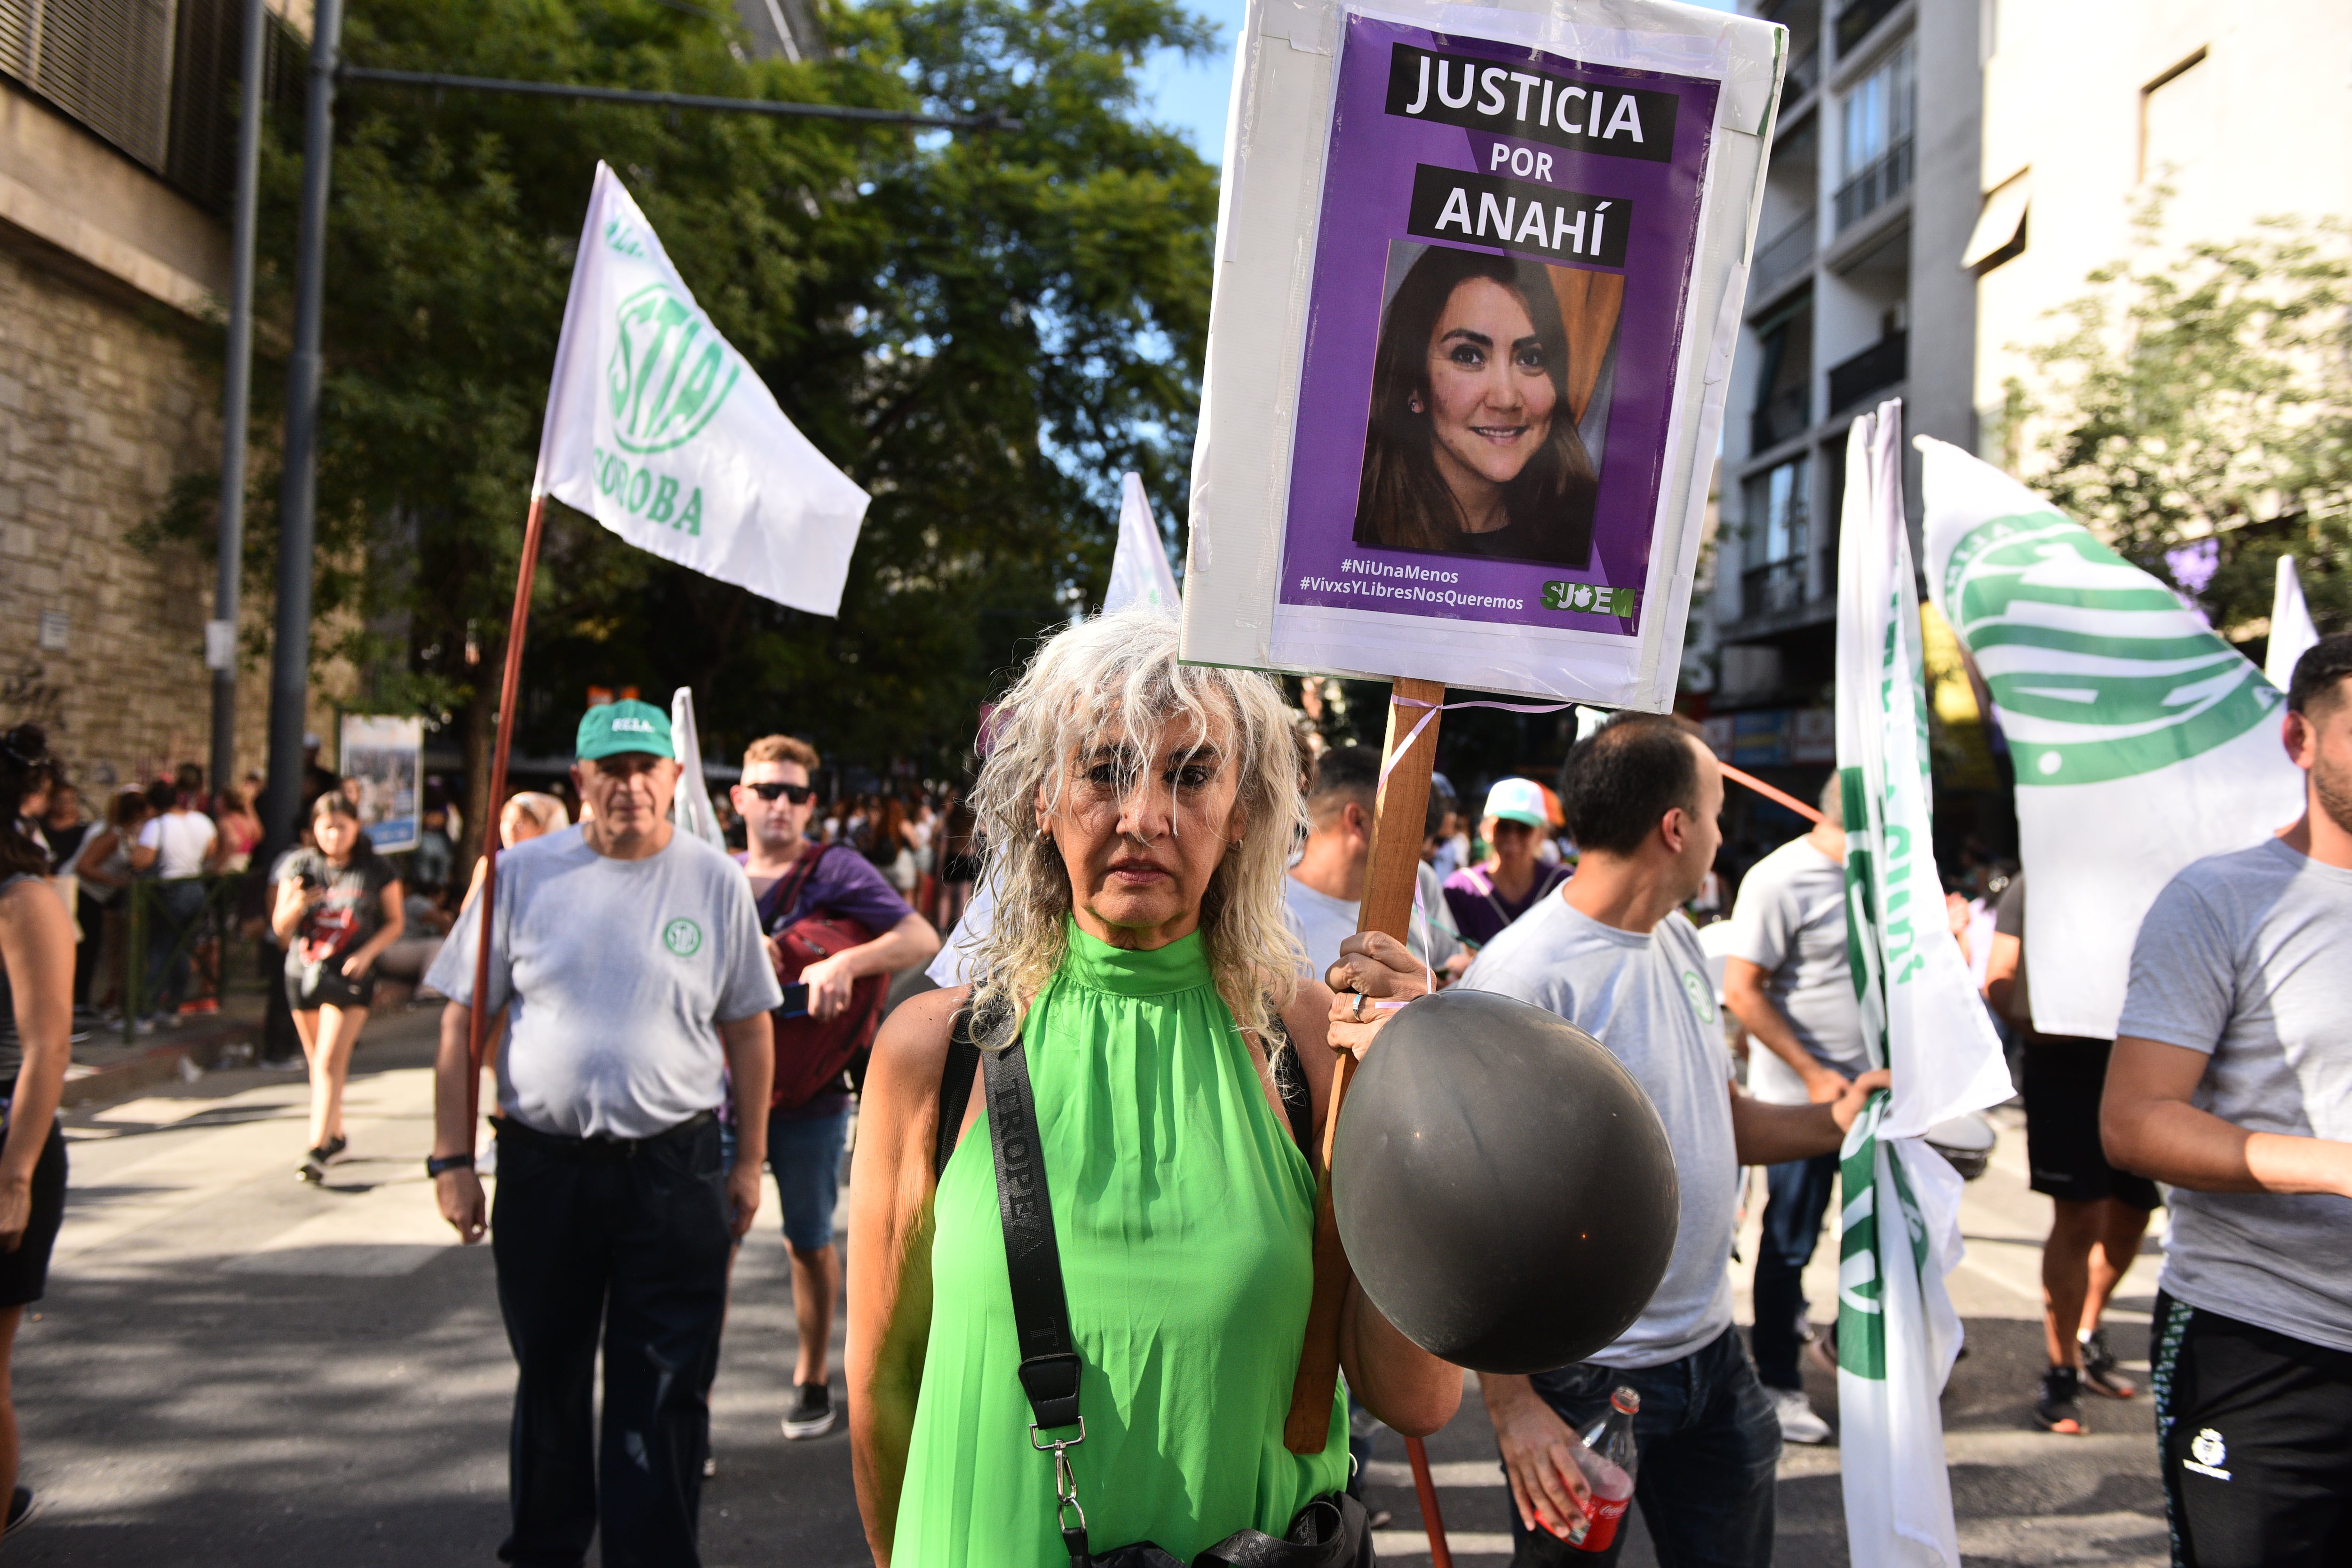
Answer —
233 1368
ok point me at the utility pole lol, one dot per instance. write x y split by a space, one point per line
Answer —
220 633
290 666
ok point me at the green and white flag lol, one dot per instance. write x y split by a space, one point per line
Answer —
656 428
1900 1230
2142 741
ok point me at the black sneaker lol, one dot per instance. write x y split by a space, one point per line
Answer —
332 1148
810 1414
2099 1368
2059 1407
313 1168
21 1508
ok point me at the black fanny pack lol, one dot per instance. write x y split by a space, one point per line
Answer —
1331 1531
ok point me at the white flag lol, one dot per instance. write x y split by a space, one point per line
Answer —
1900 1230
690 806
657 428
2142 741
2291 631
1139 567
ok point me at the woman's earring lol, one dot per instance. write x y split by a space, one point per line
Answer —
1414 403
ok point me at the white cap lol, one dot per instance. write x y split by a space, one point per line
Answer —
1518 800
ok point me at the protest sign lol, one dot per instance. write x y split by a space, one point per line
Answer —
382 758
657 429
1899 1332
2142 741
1479 274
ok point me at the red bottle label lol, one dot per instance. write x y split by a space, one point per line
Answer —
1599 1526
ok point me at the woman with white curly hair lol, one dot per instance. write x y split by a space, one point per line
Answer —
1137 815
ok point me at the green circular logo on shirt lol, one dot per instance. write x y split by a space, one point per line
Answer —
1701 998
682 937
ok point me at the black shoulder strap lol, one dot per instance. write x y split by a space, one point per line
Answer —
955 1089
785 895
1041 1313
1290 1083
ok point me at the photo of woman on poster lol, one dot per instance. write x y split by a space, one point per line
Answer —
1473 448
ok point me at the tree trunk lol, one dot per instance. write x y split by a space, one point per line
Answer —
481 734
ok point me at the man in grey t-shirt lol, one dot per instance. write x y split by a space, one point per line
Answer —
1785 978
2231 1080
627 965
1611 954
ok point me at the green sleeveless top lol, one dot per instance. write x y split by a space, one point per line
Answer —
1186 1221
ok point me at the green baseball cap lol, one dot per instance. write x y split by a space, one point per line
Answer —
611 728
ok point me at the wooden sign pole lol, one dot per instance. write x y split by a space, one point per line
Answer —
1399 818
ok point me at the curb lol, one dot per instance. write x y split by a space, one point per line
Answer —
202 1045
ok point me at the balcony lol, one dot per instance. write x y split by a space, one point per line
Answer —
1783 256
1880 180
1777 418
1772 589
1856 18
1804 75
1882 364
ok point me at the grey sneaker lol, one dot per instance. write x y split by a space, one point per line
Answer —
812 1412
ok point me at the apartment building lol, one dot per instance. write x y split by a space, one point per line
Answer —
1856 294
2093 107
117 151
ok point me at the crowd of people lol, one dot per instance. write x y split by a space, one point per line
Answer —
1081 1328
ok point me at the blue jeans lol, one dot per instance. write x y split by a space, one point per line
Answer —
1708 1447
172 914
806 1155
1798 1196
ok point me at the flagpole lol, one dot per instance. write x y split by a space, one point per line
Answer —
477 1020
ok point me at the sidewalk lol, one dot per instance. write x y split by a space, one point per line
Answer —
105 1068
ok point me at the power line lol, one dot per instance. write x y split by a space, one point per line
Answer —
438 80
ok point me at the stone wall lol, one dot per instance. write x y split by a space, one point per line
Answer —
103 403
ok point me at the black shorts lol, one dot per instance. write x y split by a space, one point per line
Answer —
2063 1085
316 985
2254 1439
25 1273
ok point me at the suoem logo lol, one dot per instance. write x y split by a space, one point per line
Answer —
638 724
2099 671
669 373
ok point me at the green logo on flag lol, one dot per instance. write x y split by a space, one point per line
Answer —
1590 598
682 937
669 373
2099 671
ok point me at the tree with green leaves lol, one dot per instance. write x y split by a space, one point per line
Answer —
982 328
2206 397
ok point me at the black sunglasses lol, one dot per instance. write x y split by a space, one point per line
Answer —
797 793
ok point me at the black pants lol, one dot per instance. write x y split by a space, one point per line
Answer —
633 1248
2253 1432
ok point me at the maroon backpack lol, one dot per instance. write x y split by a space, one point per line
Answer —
811 1054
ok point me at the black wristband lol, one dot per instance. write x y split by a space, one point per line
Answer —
435 1164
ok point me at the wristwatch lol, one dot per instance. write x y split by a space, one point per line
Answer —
436 1164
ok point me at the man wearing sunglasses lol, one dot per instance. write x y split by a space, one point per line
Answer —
804 1140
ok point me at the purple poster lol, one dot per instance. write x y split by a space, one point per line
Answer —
1507 241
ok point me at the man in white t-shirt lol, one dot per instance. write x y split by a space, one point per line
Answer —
1785 979
627 962
1613 953
2231 1080
177 846
1325 892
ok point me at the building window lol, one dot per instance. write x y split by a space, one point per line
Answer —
1876 122
1784 386
1775 533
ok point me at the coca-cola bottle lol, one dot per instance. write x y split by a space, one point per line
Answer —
1609 1462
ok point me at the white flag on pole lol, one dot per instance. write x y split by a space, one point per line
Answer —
1139 567
657 428
2142 741
1139 576
2291 631
1897 1330
690 807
